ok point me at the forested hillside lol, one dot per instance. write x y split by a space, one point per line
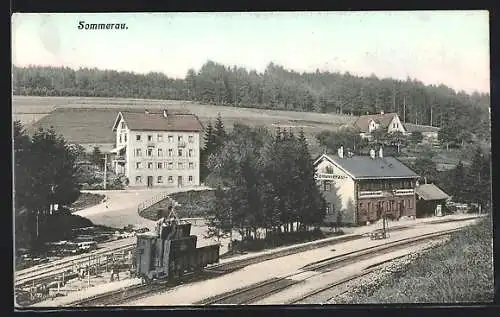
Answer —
276 88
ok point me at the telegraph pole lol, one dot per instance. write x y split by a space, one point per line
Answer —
431 115
105 168
404 109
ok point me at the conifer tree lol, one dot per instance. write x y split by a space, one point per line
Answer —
219 132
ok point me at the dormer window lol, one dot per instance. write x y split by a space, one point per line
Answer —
123 125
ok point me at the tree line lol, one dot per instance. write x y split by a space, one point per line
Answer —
275 88
45 174
265 185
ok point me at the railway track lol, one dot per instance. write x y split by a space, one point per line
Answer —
55 270
317 296
139 290
255 292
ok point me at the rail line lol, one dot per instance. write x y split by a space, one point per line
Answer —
22 276
56 270
317 292
135 291
255 292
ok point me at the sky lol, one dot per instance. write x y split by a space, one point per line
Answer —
448 47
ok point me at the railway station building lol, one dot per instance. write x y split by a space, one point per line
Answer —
157 148
361 189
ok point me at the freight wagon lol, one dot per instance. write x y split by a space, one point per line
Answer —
171 252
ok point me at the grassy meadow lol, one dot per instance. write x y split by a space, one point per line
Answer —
89 120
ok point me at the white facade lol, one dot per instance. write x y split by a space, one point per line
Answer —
157 158
343 192
396 125
372 126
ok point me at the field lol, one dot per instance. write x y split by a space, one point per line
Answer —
89 120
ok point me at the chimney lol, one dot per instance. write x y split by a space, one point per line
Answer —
381 153
165 114
341 152
372 153
381 111
146 111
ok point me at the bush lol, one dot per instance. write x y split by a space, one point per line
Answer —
277 240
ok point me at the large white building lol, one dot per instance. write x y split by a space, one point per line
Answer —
157 148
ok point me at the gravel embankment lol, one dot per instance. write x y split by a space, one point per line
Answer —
353 291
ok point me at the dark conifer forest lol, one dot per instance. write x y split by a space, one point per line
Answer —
275 88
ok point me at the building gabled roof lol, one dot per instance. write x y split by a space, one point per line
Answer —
410 127
176 120
363 122
431 192
364 167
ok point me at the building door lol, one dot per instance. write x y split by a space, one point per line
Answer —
179 181
150 181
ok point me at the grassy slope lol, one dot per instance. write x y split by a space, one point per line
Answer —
459 271
98 122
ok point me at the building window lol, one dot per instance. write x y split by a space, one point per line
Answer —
393 207
138 180
138 165
369 206
150 165
179 138
410 205
150 138
160 179
160 137
327 186
170 179
160 165
138 137
190 179
170 152
120 138
190 139
125 137
170 138
160 152
190 153
191 165
179 152
329 208
170 165
179 165
138 152
150 152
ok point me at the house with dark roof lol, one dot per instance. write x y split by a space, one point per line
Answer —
389 122
361 189
430 200
157 148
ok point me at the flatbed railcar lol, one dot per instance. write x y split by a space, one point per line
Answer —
171 253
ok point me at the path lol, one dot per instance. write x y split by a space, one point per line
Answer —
120 206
